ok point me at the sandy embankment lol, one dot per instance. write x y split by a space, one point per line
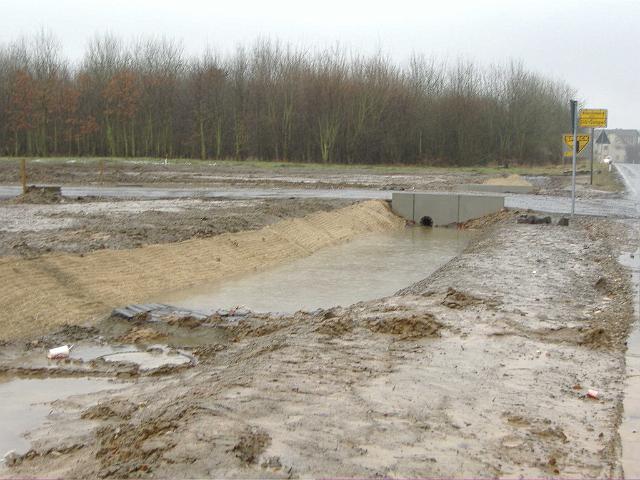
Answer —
511 180
58 289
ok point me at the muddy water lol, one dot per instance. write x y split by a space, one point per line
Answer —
370 267
25 405
155 356
630 428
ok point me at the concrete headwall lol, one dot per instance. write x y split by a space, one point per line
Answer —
444 208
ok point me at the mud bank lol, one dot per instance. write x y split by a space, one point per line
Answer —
480 370
87 224
50 290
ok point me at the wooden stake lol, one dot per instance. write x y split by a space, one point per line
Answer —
23 174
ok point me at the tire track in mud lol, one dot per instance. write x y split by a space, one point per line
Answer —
69 289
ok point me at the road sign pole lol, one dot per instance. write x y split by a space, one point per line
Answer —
593 147
594 118
574 126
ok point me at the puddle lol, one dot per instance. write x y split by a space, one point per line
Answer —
149 360
86 353
630 428
155 356
25 405
173 334
369 267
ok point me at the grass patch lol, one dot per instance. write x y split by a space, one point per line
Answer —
608 181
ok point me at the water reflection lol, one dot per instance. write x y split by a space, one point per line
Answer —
369 267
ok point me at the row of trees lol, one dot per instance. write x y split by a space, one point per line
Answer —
272 101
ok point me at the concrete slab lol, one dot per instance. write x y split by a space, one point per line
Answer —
402 204
441 207
476 206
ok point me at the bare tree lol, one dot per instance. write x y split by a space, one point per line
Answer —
273 101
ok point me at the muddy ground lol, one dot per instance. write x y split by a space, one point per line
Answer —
236 174
84 225
40 224
212 173
479 370
482 369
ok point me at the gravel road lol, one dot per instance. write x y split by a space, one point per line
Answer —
603 207
631 175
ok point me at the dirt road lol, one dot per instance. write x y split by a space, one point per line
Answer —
481 369
631 174
608 206
631 422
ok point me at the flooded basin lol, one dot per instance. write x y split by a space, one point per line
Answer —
25 405
369 267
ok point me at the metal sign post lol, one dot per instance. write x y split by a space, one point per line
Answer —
593 146
574 125
586 118
593 118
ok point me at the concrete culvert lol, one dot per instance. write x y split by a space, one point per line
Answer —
426 221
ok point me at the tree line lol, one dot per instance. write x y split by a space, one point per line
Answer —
274 102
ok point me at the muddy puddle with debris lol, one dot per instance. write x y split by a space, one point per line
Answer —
369 267
155 356
33 388
25 404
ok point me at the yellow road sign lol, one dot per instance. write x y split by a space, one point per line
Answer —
593 118
583 141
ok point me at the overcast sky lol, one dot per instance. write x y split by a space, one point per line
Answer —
592 45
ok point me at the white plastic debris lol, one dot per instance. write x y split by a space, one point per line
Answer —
592 394
10 458
59 352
